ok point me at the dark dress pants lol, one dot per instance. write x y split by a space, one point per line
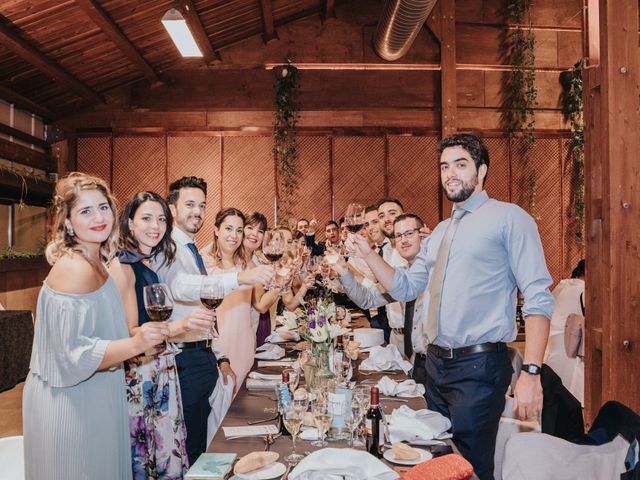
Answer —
470 391
419 370
198 374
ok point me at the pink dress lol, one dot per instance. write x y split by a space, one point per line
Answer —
237 335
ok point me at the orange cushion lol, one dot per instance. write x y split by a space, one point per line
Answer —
447 467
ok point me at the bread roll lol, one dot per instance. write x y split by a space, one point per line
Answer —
402 451
254 460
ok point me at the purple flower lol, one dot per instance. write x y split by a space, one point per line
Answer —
311 324
322 320
311 310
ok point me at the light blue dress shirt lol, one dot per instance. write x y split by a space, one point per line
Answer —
496 251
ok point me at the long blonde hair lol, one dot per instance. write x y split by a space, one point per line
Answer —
65 197
238 255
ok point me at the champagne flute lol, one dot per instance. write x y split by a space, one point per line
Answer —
292 417
322 419
211 296
159 307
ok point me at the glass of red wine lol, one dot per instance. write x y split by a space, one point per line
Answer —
159 306
354 218
273 248
211 296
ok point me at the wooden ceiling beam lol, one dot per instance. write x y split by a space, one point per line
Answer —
328 9
31 54
95 12
190 13
26 104
25 156
25 137
270 33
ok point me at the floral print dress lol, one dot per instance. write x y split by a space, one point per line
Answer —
156 424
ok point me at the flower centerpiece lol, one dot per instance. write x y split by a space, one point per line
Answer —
317 325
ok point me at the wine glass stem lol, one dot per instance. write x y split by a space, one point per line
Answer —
293 440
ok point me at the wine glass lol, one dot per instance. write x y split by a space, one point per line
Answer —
273 245
211 296
159 306
352 421
322 419
292 416
294 379
354 218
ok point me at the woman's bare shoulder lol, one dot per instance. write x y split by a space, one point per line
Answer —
72 273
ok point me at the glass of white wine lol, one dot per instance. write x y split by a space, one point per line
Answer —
292 416
322 419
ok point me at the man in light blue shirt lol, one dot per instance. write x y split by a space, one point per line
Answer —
474 263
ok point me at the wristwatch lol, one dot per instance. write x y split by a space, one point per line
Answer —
531 368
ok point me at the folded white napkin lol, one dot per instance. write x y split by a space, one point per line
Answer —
288 320
270 352
309 433
283 336
272 377
385 358
341 463
416 426
408 388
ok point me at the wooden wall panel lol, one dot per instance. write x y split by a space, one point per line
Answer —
498 181
248 179
358 171
139 163
199 157
414 176
94 156
573 246
314 190
545 203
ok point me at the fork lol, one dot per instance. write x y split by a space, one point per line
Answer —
256 422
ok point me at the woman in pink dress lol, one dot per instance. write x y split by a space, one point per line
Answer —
225 254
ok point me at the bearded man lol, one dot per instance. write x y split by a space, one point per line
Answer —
470 270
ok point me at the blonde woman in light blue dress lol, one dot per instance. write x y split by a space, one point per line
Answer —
74 408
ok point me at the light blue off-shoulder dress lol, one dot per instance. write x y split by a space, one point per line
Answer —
75 418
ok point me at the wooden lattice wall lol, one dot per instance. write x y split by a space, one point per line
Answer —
337 169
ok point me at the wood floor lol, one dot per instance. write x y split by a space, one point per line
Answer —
11 412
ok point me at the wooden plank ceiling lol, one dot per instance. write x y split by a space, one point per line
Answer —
61 55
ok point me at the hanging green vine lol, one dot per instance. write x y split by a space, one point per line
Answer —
285 146
572 108
519 93
519 90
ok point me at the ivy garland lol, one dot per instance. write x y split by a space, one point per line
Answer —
519 90
572 108
285 148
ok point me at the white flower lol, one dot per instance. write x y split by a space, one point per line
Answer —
336 330
319 334
289 320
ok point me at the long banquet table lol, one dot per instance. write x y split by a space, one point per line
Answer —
257 405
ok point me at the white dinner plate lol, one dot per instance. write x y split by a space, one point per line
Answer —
265 473
424 456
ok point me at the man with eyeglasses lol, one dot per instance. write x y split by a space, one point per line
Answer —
368 295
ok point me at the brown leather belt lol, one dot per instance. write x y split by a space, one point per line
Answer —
451 353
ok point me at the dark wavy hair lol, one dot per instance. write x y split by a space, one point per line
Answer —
472 144
256 218
238 255
389 200
185 182
166 246
406 216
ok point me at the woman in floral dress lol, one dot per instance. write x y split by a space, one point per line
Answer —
156 424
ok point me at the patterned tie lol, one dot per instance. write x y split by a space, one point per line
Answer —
438 274
382 311
408 327
198 257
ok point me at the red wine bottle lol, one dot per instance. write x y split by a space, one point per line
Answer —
373 419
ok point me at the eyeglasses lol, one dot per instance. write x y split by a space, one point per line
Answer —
408 234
